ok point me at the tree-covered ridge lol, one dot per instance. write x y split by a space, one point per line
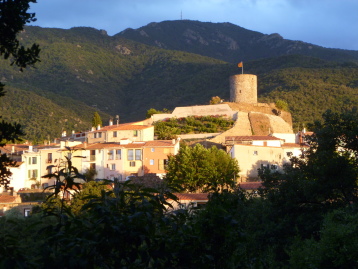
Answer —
84 70
40 118
311 91
228 42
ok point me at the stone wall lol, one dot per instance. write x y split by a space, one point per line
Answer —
243 88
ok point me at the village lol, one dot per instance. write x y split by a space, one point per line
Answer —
261 137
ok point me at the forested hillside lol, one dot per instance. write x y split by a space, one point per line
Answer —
228 42
83 70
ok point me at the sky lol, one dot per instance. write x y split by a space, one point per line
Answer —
327 23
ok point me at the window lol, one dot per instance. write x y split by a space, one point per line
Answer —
32 160
93 166
135 133
110 154
92 155
32 173
152 149
99 135
138 154
130 155
256 153
49 157
162 164
132 164
95 135
182 205
115 134
118 154
151 162
113 166
27 212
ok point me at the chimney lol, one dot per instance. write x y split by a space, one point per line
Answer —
85 144
110 122
73 132
30 148
12 149
93 129
173 141
64 133
98 127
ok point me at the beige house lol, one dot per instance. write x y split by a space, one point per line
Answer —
125 158
254 152
137 131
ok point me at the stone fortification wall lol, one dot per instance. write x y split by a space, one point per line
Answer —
262 108
206 110
242 126
243 88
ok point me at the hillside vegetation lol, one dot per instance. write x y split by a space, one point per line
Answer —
83 70
228 42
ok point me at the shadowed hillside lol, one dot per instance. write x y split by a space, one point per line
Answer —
83 70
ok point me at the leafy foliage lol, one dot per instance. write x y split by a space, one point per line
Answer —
201 169
96 120
215 100
169 128
13 17
304 218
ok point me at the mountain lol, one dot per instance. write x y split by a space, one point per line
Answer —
83 70
228 42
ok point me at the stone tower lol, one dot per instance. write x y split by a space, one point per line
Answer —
243 89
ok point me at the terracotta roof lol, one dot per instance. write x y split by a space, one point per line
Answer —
159 143
192 196
137 144
17 164
17 147
251 138
250 185
293 145
6 199
123 127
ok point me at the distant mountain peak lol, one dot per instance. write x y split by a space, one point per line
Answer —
227 41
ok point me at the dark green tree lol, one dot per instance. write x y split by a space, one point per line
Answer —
200 169
13 17
96 120
323 179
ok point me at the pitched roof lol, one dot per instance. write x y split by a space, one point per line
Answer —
136 144
192 196
294 145
251 138
159 143
250 185
123 127
7 199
